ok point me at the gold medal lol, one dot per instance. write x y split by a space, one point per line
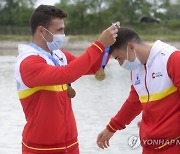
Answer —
100 75
71 92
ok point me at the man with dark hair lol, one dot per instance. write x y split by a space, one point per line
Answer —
43 16
42 72
155 89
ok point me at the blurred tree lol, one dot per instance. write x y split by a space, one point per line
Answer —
91 16
173 11
15 12
84 16
77 14
129 11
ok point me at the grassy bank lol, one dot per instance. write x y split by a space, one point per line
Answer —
149 36
165 31
146 37
15 38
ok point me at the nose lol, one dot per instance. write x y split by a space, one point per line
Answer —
120 62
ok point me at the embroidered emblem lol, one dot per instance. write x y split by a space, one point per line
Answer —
155 75
138 81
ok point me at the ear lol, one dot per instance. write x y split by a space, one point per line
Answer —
131 46
40 30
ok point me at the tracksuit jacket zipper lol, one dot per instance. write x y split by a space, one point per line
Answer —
146 82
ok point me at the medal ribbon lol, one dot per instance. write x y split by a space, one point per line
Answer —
105 57
44 52
47 54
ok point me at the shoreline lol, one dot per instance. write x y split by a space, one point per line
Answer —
75 47
11 47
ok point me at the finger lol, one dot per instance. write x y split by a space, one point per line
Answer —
99 137
115 35
115 31
100 145
100 141
117 24
104 144
112 27
107 143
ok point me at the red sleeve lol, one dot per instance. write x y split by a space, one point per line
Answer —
173 67
130 109
36 72
69 56
95 67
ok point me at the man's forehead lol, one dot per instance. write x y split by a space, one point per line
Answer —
118 52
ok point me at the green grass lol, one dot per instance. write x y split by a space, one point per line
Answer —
146 37
15 38
73 38
173 38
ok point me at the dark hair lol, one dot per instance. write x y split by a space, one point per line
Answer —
124 36
43 15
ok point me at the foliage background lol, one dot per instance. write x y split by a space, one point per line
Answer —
92 16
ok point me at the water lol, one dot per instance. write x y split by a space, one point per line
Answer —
94 105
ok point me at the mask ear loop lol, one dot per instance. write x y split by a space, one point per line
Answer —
135 54
48 31
44 38
127 53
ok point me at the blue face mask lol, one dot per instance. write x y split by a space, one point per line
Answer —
57 42
128 65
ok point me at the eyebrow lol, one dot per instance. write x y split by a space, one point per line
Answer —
60 28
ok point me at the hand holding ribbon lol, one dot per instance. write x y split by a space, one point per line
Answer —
100 74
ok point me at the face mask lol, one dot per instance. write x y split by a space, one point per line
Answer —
57 42
128 65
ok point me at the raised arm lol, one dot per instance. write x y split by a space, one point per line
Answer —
36 72
39 73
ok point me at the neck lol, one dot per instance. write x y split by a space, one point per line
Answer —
41 43
145 51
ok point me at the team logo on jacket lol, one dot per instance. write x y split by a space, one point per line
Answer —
138 81
155 75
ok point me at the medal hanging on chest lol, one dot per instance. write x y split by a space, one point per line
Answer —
100 74
70 91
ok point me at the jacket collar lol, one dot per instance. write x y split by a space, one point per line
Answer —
24 49
157 47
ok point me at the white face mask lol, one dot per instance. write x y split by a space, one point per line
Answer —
131 65
57 42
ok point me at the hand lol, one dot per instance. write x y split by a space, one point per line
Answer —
103 138
108 36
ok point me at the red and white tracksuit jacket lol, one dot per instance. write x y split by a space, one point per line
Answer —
42 90
155 92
